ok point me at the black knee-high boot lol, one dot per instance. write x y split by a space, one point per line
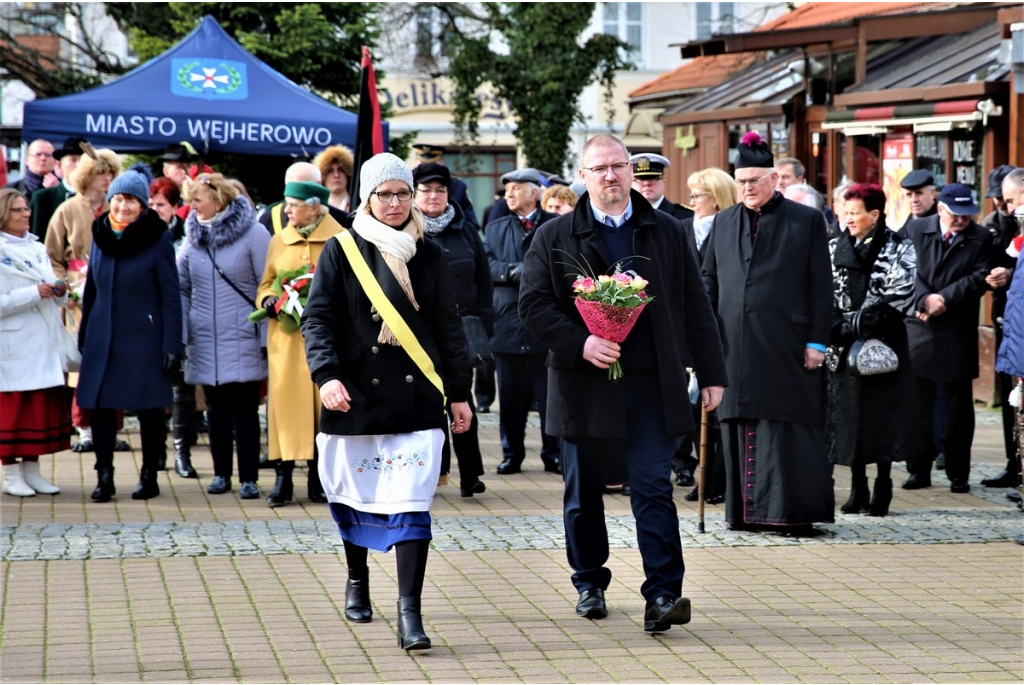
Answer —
411 558
860 496
183 427
315 488
357 589
882 495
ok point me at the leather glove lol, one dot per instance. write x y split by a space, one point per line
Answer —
269 303
171 364
515 272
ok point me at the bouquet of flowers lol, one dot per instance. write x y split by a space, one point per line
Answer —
76 285
611 305
292 290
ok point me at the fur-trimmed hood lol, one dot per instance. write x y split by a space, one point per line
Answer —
235 223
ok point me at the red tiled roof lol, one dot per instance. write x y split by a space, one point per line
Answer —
705 72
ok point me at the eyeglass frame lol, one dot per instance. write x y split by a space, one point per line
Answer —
602 170
393 196
752 181
697 196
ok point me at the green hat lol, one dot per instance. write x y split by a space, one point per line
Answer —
307 190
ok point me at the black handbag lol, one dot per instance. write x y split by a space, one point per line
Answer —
478 343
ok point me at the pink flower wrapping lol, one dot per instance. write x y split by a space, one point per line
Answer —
608 321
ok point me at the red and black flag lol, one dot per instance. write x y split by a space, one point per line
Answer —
369 132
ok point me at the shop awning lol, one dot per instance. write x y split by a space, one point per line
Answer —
925 116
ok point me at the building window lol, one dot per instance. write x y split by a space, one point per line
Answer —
625 20
430 43
714 17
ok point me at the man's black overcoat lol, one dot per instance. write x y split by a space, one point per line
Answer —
582 402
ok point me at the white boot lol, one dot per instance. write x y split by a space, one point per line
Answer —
35 480
14 481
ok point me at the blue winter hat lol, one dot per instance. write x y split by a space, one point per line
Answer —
130 183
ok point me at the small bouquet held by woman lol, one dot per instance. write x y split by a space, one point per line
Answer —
292 289
611 305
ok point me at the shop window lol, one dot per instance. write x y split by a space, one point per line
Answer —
625 21
931 153
867 156
481 171
968 165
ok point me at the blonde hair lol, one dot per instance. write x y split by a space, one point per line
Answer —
721 186
560 192
222 192
89 167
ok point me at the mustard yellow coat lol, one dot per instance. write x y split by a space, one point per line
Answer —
293 400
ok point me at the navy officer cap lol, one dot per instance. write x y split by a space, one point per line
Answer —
918 178
649 165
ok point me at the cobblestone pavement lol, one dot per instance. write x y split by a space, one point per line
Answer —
190 587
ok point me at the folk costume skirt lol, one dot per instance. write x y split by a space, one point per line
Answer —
34 422
380 486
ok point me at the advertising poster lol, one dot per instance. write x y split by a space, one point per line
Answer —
897 162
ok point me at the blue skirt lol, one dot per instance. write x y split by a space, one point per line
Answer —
380 531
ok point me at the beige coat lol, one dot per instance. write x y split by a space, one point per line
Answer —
69 235
293 400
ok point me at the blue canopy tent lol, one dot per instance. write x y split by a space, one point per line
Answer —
207 90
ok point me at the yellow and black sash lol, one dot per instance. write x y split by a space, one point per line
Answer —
386 308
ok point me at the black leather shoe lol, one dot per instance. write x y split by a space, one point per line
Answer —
693 495
265 462
105 486
122 446
916 482
1003 480
219 485
410 625
318 497
483 409
684 477
940 461
553 466
357 598
960 487
283 489
249 491
477 487
626 490
714 499
83 446
183 465
591 604
147 488
508 467
665 612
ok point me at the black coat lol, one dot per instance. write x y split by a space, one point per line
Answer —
582 402
460 198
131 317
868 416
958 274
1003 229
772 299
44 203
507 243
675 210
467 261
389 392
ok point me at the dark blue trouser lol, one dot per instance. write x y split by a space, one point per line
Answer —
523 380
648 449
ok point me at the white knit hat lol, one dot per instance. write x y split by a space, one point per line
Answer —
381 169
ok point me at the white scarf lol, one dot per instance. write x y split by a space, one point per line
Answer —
397 248
702 228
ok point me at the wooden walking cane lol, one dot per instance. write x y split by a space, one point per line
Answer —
701 478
